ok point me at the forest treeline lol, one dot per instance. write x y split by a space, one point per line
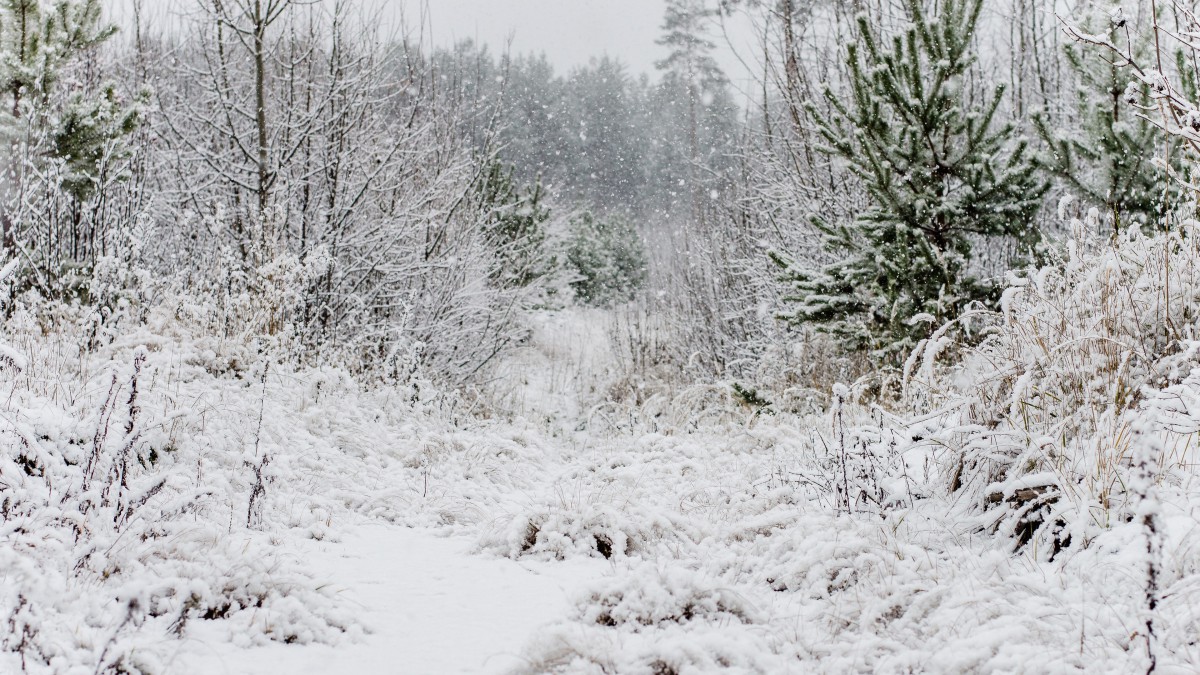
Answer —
298 173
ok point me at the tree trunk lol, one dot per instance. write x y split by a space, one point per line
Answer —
260 114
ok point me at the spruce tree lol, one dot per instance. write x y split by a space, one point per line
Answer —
940 174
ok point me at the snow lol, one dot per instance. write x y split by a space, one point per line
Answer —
681 531
428 604
245 514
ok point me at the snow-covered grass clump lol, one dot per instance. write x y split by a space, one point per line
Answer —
559 532
655 619
136 503
1084 376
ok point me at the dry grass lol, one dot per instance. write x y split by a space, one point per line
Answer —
1044 412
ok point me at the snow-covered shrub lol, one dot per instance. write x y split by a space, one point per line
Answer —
388 246
798 560
1090 356
652 405
862 462
693 649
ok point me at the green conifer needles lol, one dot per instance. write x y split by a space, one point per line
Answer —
940 174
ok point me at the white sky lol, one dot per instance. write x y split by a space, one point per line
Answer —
568 31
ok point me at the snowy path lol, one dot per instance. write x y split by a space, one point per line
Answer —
430 606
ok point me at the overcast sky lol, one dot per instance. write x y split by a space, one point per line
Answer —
568 31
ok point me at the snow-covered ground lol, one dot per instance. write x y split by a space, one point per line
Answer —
427 603
266 518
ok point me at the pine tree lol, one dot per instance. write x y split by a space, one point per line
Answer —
516 227
534 136
940 175
693 105
88 137
77 138
36 42
608 154
690 52
1108 160
609 257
